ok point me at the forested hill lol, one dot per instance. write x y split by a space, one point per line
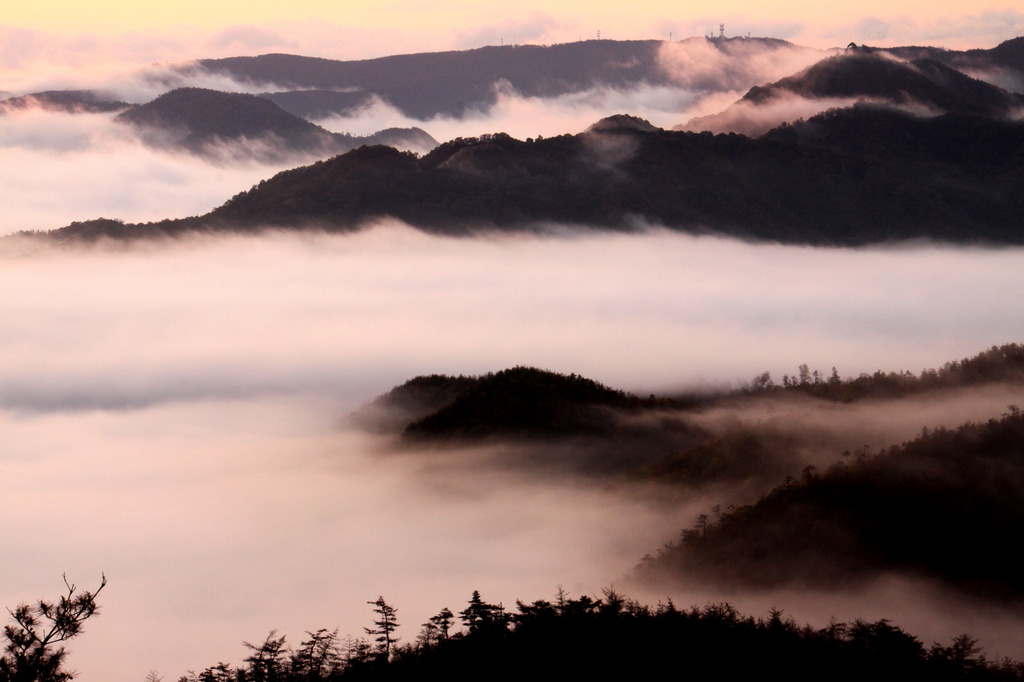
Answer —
550 420
944 506
574 422
849 177
870 74
861 75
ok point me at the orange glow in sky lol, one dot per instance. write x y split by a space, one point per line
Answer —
42 42
449 23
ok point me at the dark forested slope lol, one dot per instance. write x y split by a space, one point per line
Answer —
683 441
946 506
849 177
868 74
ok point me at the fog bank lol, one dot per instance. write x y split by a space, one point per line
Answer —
56 168
174 412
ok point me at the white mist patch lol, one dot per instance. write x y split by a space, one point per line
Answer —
708 65
217 521
1007 79
756 118
524 117
56 168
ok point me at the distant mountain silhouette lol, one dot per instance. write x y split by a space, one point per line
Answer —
65 101
447 83
201 120
453 83
456 83
872 75
1008 54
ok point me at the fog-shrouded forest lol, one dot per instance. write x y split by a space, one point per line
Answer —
375 368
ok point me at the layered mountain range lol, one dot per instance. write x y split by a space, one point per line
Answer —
907 143
202 120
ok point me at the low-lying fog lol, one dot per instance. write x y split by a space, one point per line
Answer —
56 168
174 416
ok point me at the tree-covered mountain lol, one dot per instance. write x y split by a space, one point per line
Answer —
547 420
923 85
849 177
944 506
523 402
203 120
871 74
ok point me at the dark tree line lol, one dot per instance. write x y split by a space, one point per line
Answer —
564 638
1003 363
574 638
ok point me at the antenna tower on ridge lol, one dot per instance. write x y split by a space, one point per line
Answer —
721 30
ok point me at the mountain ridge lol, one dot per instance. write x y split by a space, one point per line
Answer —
832 180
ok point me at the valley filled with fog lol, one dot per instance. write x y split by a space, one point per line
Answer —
177 411
175 417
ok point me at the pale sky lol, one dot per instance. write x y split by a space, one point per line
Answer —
52 34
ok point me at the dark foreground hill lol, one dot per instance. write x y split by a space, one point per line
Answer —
203 121
613 637
850 177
